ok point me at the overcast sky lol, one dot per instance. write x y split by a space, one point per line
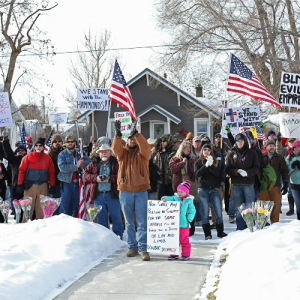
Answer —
131 24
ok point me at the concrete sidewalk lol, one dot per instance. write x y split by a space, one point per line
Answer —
122 278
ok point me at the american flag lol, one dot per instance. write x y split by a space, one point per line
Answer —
260 134
220 108
120 93
48 142
23 136
243 80
84 189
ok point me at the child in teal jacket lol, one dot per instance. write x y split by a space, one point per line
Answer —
187 214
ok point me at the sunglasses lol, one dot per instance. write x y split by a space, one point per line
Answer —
39 145
29 142
207 149
70 142
271 134
21 150
54 142
218 137
163 141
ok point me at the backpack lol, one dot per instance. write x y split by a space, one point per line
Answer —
267 177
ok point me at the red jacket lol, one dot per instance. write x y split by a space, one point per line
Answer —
37 168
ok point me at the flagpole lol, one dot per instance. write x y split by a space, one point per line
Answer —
108 117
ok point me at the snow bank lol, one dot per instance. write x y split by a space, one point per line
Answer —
261 265
38 257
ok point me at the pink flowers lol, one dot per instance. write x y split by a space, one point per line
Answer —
25 202
16 201
4 208
48 206
26 206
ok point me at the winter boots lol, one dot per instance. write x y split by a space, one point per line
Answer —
291 206
298 216
207 232
220 230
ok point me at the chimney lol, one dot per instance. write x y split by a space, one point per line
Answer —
165 75
199 91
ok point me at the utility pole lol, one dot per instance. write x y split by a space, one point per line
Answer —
44 109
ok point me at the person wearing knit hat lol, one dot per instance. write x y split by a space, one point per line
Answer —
277 162
293 163
184 202
189 136
40 141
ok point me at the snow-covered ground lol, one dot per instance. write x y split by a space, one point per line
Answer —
260 265
38 260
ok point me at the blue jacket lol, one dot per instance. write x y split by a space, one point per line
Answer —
187 209
294 173
65 162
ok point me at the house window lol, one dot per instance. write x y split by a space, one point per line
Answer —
157 129
201 125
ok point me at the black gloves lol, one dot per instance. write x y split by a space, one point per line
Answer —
118 128
51 190
284 188
133 130
295 164
20 189
279 137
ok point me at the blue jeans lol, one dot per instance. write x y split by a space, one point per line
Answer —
231 210
69 196
296 195
199 212
113 207
57 194
152 196
290 194
241 194
135 203
212 196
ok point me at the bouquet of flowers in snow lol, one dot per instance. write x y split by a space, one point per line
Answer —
247 212
4 208
26 206
18 209
263 210
49 205
93 210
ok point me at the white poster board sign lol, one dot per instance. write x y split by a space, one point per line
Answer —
163 227
290 125
125 119
233 130
58 118
92 99
5 112
237 117
289 93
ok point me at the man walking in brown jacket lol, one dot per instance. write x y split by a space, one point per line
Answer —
133 183
277 162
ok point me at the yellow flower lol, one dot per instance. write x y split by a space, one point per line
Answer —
261 210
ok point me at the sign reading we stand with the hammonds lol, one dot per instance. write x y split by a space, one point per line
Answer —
92 99
163 227
237 117
289 93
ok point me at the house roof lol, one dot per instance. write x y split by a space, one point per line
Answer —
202 103
160 110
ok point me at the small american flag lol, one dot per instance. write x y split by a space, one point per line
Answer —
220 108
242 80
23 136
48 142
260 134
120 93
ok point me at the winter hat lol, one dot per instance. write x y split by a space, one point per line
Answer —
151 141
28 138
103 148
21 147
70 137
167 137
103 140
272 142
205 141
189 136
17 143
271 132
56 137
296 143
207 146
41 141
239 136
185 186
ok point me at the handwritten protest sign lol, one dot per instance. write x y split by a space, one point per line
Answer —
163 227
289 94
5 112
125 119
58 118
237 117
289 125
92 99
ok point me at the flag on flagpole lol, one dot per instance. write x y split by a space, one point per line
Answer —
119 92
260 134
242 80
48 142
220 108
23 136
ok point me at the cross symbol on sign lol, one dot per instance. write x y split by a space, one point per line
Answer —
231 114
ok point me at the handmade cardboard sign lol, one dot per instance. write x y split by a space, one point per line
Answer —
92 99
163 227
290 125
125 119
289 93
5 112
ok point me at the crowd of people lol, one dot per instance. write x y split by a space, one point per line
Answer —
202 175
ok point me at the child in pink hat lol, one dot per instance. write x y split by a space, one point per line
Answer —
187 214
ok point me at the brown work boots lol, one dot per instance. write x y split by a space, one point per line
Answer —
133 252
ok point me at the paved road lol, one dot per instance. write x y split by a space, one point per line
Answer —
122 278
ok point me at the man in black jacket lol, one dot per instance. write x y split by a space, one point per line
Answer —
242 165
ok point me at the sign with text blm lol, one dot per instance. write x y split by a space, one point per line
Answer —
237 117
92 99
5 112
163 227
289 93
290 125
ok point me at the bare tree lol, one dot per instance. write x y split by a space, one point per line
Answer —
263 34
19 34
